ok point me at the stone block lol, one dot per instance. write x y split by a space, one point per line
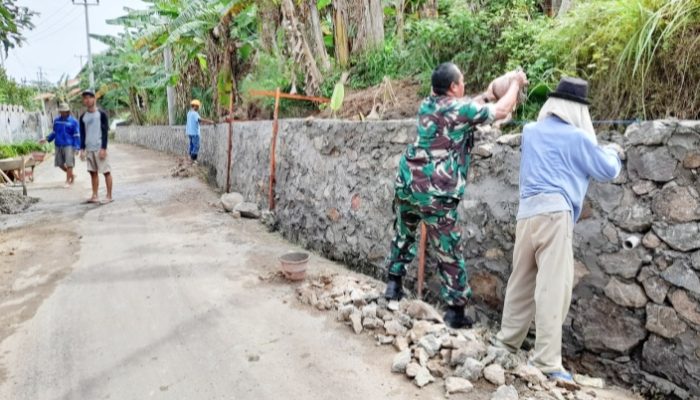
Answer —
656 165
626 294
664 321
605 326
683 237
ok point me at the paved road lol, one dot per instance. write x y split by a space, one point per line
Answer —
158 296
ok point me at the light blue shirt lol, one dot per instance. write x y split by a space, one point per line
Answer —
558 160
192 127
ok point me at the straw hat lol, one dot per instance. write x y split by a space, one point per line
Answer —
63 107
195 102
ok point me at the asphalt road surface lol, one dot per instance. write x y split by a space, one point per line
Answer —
158 296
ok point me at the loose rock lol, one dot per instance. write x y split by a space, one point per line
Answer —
248 210
530 374
229 201
394 328
471 369
401 361
495 374
356 319
588 381
457 385
430 344
418 309
423 377
400 343
412 369
505 393
437 368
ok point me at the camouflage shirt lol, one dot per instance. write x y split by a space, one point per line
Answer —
436 164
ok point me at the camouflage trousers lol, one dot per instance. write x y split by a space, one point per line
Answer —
443 243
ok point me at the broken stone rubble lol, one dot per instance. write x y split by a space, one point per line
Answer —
427 350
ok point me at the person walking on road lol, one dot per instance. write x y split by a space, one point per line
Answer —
66 135
560 154
94 134
431 181
192 129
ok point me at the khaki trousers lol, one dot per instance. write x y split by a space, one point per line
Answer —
540 287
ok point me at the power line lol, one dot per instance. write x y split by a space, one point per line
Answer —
47 28
53 14
46 34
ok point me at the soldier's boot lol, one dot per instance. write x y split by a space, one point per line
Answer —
394 288
456 319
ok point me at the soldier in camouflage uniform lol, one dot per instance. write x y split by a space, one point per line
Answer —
431 180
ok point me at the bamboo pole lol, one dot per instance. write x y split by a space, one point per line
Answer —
267 93
273 150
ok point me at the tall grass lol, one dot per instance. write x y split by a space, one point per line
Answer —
629 50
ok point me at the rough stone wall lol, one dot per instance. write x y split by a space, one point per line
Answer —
17 125
635 312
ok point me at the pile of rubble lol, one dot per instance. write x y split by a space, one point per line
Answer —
184 168
13 202
430 352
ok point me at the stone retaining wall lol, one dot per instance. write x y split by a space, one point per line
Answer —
17 125
635 312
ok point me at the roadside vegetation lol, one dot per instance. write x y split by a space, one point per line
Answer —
640 56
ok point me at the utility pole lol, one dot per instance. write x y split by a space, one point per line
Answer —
87 3
40 77
169 90
40 83
80 56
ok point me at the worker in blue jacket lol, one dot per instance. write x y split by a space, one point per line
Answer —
66 134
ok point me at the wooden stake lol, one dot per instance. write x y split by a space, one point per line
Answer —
230 143
273 150
23 174
421 258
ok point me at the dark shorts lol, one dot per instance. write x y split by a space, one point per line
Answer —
65 157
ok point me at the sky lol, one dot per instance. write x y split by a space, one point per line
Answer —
59 37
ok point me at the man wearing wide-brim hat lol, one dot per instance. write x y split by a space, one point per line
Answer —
560 154
66 134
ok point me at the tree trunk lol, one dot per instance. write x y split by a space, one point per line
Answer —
270 18
340 32
429 9
359 25
300 50
369 20
313 24
400 8
134 106
564 7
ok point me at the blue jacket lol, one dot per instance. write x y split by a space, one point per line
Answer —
560 159
66 132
